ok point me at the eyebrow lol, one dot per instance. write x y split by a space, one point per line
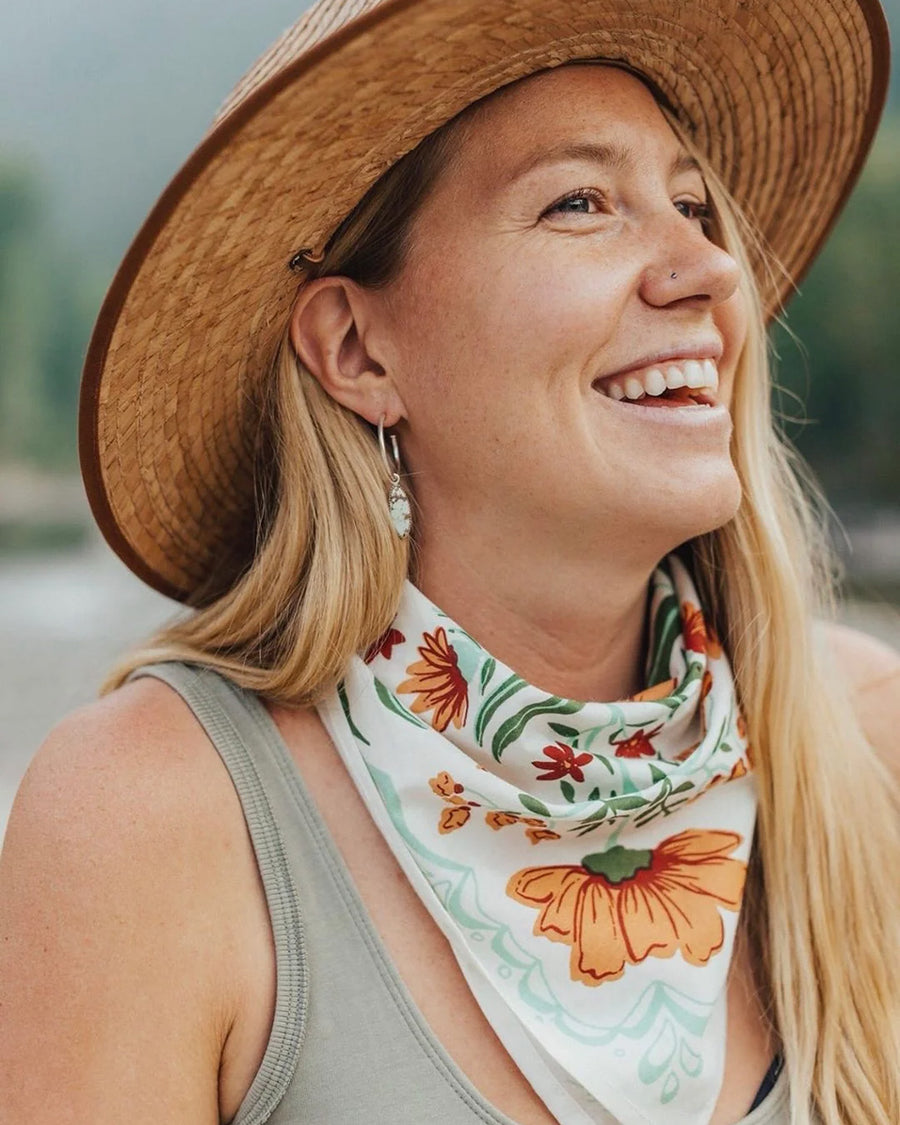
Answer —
608 153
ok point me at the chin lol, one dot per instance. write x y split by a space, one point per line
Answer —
714 506
694 508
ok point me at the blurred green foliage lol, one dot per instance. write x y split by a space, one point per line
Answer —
48 300
840 355
838 368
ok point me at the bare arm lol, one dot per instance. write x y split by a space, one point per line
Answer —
871 670
117 978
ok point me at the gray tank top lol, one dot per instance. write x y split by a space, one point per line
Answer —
347 1042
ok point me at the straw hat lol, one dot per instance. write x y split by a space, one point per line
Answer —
784 96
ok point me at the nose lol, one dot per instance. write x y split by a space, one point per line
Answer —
686 268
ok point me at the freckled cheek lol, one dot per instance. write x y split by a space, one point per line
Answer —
540 319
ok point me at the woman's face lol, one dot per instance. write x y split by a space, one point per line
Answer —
559 269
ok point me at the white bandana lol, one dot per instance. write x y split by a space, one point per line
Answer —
591 900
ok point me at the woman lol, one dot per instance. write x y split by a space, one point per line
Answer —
568 828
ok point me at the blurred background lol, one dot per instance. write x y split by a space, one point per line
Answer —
100 102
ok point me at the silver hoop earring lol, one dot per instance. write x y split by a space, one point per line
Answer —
398 501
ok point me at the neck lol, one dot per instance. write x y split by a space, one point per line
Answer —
571 628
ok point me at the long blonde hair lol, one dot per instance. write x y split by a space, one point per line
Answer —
326 579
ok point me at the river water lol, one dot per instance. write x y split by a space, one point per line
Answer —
64 618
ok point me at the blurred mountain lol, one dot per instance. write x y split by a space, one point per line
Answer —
105 98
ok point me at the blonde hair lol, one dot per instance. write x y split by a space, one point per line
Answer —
326 580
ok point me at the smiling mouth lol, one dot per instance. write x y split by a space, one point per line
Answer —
690 382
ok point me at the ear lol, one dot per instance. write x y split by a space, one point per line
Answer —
332 330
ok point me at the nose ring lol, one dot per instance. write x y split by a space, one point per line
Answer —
673 275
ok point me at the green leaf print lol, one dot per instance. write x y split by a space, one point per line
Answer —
594 794
512 728
496 699
630 801
588 736
487 670
656 773
393 705
345 707
564 731
666 630
568 791
534 805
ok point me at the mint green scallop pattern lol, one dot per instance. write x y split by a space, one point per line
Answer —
663 1020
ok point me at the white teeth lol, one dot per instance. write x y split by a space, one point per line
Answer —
654 382
634 388
693 374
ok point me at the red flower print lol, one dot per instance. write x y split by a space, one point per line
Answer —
384 646
438 684
621 906
562 762
698 636
637 745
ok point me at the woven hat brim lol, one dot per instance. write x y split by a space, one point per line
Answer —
784 96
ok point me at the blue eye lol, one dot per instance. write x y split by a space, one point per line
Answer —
576 202
699 212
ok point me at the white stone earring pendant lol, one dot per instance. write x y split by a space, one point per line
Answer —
398 501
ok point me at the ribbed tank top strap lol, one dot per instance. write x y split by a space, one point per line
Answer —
233 721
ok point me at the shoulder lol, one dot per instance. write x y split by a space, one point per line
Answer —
870 669
132 766
116 893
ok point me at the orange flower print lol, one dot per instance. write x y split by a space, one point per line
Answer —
698 636
618 907
447 789
536 831
444 786
451 819
637 746
438 683
563 761
656 691
739 769
384 646
498 820
535 835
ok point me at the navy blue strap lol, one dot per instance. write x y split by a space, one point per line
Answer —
768 1082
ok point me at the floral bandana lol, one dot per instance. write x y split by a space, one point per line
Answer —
590 898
